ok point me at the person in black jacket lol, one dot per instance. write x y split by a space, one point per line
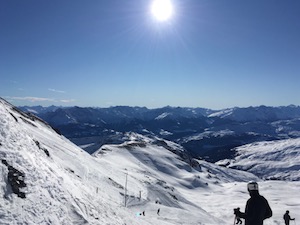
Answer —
287 218
257 207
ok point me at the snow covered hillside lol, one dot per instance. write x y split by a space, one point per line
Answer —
276 160
58 180
46 179
167 179
260 113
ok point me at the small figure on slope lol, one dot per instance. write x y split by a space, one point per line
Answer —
287 218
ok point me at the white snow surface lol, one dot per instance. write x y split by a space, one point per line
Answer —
222 113
163 116
72 187
208 133
269 159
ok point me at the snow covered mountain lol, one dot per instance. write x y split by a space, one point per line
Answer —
277 160
205 133
40 109
260 113
46 179
115 114
44 176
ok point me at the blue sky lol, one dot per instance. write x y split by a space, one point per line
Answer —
211 53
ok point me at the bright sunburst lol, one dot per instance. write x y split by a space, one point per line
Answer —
162 10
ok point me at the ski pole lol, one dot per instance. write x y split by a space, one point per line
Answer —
234 220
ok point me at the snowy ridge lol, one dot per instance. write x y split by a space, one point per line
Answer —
65 185
207 134
55 192
278 160
162 116
261 113
222 113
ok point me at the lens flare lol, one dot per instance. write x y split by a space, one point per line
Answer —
162 10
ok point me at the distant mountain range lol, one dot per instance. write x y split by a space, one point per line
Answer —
205 133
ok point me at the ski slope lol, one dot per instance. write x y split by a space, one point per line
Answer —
65 185
276 160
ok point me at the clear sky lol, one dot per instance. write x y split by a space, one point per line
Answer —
210 53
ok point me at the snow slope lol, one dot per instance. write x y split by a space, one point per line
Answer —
65 185
277 160
57 191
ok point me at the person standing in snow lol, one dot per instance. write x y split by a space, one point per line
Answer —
287 218
257 207
158 211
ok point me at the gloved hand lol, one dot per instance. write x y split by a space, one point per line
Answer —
237 211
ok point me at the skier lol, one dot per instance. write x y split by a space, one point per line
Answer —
158 211
141 213
287 218
257 207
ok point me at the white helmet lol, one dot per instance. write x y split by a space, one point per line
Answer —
252 186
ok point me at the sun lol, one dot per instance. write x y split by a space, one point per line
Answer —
162 10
